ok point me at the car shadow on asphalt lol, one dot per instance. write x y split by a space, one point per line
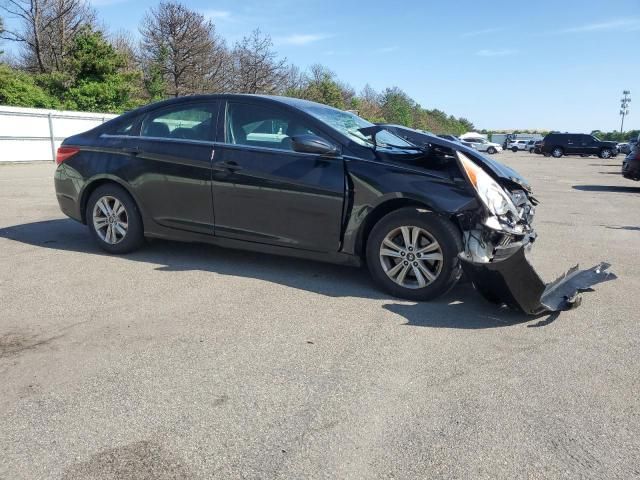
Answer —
607 188
461 308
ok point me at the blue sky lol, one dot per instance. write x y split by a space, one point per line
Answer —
510 64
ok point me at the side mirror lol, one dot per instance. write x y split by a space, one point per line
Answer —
308 143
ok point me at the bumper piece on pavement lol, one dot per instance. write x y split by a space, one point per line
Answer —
514 282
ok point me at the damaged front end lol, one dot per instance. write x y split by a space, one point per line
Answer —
495 239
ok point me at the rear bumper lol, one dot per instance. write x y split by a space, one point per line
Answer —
67 184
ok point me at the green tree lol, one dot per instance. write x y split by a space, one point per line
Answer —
320 85
94 78
397 107
21 90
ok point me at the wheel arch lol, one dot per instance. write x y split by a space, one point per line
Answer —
382 209
97 182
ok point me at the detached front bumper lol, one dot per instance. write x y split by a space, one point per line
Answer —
500 272
514 282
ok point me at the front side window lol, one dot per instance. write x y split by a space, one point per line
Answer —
180 123
263 126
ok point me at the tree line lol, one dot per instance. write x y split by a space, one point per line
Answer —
66 60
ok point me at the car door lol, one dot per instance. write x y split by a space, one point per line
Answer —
264 191
572 144
174 151
591 146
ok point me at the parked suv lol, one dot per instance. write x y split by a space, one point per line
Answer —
516 145
453 138
483 145
559 144
534 146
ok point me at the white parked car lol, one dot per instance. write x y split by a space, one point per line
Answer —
483 145
515 145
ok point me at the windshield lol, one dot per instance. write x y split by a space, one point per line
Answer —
349 124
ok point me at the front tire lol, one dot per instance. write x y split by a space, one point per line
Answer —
413 254
491 150
557 152
606 153
114 220
514 149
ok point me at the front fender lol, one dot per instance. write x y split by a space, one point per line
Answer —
375 189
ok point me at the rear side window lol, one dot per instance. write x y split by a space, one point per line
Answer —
181 123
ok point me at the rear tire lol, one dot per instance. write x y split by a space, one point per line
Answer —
557 152
514 149
402 268
114 220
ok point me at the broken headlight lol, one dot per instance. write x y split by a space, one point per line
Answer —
493 196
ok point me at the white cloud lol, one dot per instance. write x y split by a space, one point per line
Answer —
495 53
216 14
484 31
622 24
300 39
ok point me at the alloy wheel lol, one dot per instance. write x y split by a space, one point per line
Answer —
411 257
110 219
557 152
606 153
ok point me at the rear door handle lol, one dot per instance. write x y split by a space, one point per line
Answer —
131 151
230 166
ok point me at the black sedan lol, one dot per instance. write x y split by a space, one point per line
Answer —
631 163
293 177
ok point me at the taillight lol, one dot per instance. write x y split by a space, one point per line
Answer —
64 153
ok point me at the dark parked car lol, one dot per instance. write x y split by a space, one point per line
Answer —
293 177
559 144
631 163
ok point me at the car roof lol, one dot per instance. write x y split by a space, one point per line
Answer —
566 133
293 102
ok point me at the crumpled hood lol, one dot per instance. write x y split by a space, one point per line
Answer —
501 171
496 169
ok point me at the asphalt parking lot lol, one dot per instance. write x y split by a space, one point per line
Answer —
189 361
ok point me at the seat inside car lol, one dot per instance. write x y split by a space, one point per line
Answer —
156 129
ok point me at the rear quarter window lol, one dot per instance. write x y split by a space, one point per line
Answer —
124 127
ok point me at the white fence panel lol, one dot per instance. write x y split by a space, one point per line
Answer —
28 134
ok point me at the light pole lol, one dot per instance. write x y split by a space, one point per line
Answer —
624 106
